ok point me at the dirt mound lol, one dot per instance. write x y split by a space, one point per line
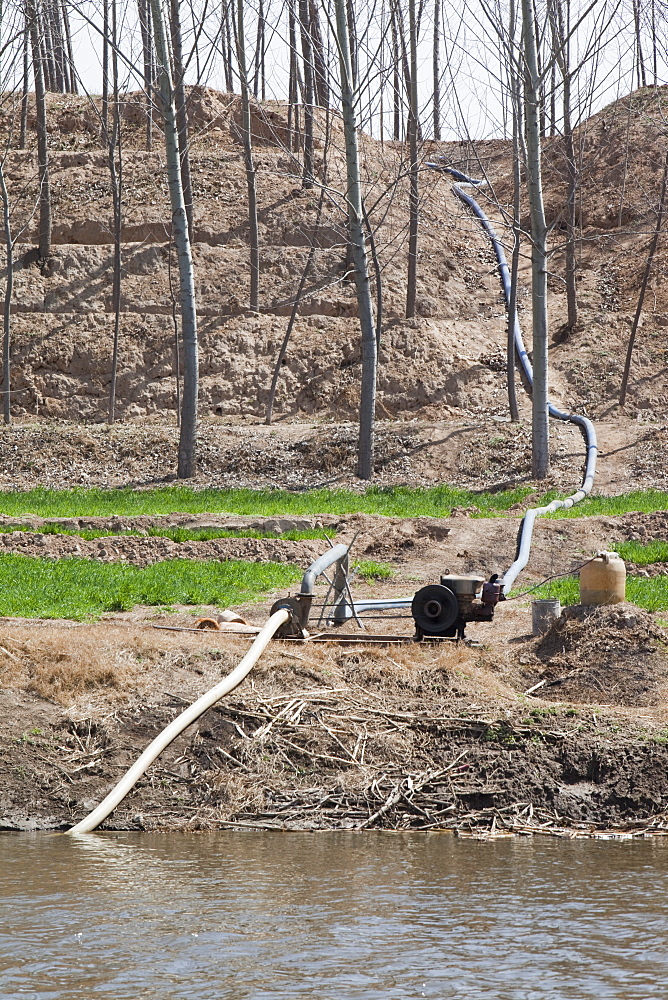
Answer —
146 551
613 654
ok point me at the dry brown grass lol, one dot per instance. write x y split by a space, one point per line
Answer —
63 663
59 667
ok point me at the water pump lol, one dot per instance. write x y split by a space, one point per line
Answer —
442 610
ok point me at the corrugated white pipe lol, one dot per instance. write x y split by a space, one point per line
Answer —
588 430
181 722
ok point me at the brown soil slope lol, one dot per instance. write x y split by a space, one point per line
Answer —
446 363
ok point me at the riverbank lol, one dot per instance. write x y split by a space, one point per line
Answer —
336 736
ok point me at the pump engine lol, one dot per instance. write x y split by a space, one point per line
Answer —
442 610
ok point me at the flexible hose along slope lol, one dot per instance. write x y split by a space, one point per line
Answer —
586 426
181 722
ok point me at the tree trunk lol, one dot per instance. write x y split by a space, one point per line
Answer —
436 66
46 47
540 458
53 14
516 104
571 228
175 323
352 42
73 88
258 83
655 54
643 287
187 465
116 177
7 306
540 84
357 242
561 47
226 35
105 68
23 135
293 85
640 61
147 54
378 277
308 93
181 112
319 57
396 79
414 207
247 143
42 136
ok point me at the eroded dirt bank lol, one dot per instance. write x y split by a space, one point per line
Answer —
321 737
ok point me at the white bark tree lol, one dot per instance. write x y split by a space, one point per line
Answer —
540 426
187 461
365 460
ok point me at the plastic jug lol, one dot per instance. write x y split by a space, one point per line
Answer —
603 580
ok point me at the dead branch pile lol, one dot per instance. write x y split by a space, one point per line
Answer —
334 759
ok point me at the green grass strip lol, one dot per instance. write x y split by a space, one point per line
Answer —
176 534
397 501
368 569
650 593
642 554
644 501
83 589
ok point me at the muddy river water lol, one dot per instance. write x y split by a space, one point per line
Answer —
362 916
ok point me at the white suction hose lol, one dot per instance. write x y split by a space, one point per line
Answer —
181 722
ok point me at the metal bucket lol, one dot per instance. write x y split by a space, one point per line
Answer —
543 614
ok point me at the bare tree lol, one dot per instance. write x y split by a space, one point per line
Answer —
7 305
320 69
436 70
115 160
246 141
33 20
540 459
414 193
559 14
309 90
25 90
148 65
187 464
181 111
365 462
259 76
226 35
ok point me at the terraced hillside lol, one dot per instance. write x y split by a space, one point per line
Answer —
445 364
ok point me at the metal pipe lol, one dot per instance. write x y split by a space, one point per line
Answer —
349 609
337 554
585 425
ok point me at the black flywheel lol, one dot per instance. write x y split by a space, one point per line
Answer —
435 610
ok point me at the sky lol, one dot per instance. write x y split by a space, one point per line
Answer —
473 74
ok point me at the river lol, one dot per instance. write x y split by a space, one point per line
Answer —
332 916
